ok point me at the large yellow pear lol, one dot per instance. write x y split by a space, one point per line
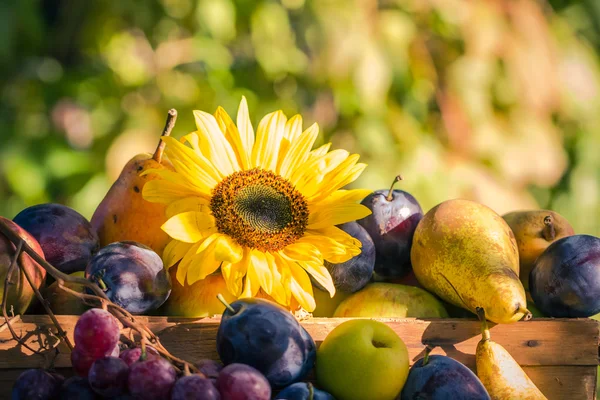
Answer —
501 375
123 214
466 254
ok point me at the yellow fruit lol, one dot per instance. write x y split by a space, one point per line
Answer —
390 300
198 300
466 254
535 230
502 376
326 304
124 215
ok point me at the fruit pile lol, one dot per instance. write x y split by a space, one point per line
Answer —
460 259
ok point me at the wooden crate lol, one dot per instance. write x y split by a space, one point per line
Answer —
559 355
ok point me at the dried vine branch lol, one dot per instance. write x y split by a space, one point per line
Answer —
97 296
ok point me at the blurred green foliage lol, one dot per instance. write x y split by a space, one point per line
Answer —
497 101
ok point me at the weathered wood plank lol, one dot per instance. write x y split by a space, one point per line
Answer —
536 342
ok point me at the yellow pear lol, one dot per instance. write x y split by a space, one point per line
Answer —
502 376
123 214
326 304
198 300
535 230
466 254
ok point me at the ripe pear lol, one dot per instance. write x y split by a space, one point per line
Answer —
502 376
123 214
534 230
467 255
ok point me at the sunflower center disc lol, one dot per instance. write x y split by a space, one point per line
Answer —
259 209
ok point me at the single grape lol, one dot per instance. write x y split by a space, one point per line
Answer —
243 382
194 387
151 379
210 368
36 384
77 388
97 332
132 355
108 376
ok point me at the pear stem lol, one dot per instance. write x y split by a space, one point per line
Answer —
485 330
548 231
171 118
311 391
225 303
527 314
428 350
390 195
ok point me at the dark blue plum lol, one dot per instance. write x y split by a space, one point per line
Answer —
565 278
66 237
391 226
301 391
442 378
36 384
266 336
195 387
354 274
133 274
77 388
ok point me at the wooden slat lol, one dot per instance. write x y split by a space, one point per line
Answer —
536 342
560 355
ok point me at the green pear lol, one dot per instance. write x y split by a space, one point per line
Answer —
391 300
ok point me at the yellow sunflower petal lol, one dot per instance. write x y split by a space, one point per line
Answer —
282 266
244 127
293 128
335 180
301 287
337 214
310 175
189 227
258 263
203 263
268 139
278 292
299 151
165 192
333 251
193 163
174 251
233 137
184 264
195 203
226 249
214 145
234 273
251 282
302 251
342 196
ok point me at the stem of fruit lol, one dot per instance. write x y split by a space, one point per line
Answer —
485 331
428 350
527 315
225 303
548 231
311 391
390 195
171 118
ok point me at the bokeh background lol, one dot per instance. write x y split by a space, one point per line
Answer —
497 100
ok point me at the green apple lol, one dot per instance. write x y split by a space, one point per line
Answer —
326 304
391 300
362 359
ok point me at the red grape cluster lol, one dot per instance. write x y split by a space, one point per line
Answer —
103 372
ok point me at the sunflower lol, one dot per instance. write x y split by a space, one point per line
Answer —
259 209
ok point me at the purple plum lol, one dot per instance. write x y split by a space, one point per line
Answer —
354 274
66 237
132 275
266 336
565 278
302 391
391 225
